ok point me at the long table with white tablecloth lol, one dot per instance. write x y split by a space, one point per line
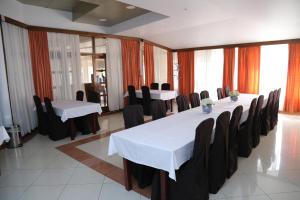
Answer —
168 143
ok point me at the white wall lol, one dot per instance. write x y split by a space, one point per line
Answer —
39 16
5 112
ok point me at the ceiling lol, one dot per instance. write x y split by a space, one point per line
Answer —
189 23
111 12
194 23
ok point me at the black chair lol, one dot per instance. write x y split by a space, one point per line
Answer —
273 110
227 91
277 106
146 100
165 86
79 95
132 95
204 94
195 100
257 121
266 115
182 103
93 96
133 116
57 129
154 86
41 115
218 154
219 93
245 133
233 147
192 177
158 109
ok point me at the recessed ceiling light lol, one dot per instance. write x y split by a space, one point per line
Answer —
130 7
103 20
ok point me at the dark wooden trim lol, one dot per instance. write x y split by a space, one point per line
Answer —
158 45
15 22
240 45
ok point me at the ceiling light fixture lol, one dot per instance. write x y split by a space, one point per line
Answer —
103 20
130 7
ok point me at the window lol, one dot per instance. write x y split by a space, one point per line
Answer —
209 71
93 66
175 71
160 65
273 70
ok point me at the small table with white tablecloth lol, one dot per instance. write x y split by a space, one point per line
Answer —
4 137
70 109
167 143
165 95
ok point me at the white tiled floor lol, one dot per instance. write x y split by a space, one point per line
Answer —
39 171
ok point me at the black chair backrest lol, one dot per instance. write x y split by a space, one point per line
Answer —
219 93
38 105
132 95
165 86
195 100
268 108
204 94
233 140
227 91
257 121
93 96
158 109
277 104
218 153
154 86
182 103
275 97
133 116
49 108
79 95
202 142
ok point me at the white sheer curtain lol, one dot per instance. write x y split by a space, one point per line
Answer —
160 65
114 74
19 74
5 112
273 70
65 63
209 71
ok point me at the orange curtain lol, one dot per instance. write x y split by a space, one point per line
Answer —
131 63
41 70
292 97
186 72
228 71
149 63
248 69
170 69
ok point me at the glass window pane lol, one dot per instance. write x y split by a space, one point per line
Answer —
86 45
100 45
87 69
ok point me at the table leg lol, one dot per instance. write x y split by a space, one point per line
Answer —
163 185
171 101
127 175
72 129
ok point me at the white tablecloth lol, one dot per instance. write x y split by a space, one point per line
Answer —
158 94
67 109
168 143
3 135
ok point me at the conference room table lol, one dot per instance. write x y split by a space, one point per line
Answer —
68 110
167 143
